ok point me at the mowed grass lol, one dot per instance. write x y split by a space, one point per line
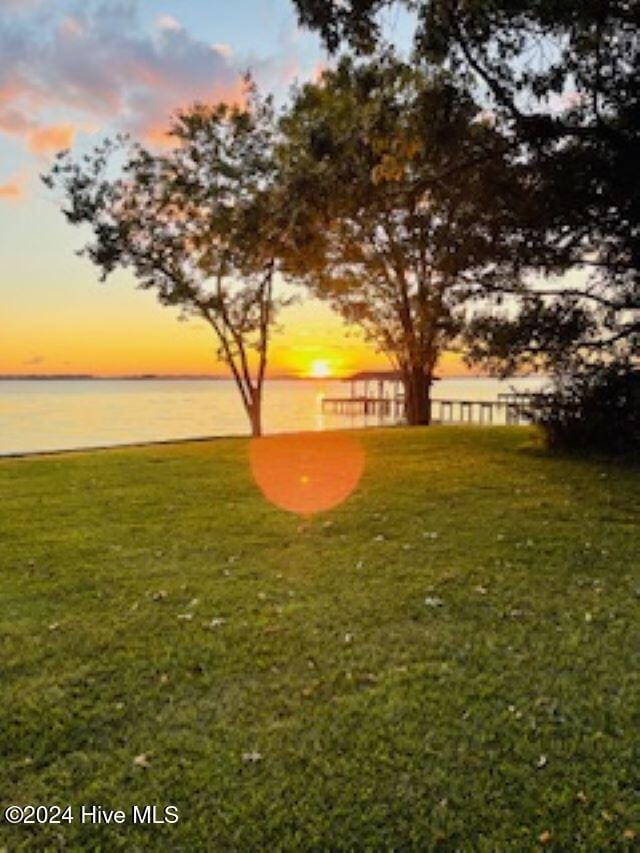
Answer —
449 660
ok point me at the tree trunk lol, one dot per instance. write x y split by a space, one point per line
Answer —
254 411
417 396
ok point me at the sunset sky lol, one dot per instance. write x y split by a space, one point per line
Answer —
74 70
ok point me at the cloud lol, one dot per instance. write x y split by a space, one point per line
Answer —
99 66
14 121
223 49
319 69
177 71
13 190
167 22
50 139
71 27
20 4
91 65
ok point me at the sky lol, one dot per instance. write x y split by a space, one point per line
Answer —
73 71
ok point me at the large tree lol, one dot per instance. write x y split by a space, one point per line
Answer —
562 82
197 224
380 161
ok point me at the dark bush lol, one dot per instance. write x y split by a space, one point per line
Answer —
594 410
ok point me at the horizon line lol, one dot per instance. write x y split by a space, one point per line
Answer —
208 376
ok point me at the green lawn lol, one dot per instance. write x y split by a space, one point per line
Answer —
447 661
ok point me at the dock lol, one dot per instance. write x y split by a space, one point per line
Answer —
384 406
511 408
442 411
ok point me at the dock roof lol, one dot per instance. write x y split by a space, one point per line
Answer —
377 376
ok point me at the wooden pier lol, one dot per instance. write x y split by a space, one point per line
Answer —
522 398
479 412
386 407
510 408
442 411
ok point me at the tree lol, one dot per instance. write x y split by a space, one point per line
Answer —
197 224
562 81
377 230
592 410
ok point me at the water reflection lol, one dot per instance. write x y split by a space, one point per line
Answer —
88 413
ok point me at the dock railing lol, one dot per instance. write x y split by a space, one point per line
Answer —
511 408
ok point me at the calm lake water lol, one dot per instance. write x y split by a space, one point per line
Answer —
63 414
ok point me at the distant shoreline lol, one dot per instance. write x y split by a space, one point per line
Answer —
156 377
89 377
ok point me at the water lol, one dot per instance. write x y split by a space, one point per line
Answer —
65 414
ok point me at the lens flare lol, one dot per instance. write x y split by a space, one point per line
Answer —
307 473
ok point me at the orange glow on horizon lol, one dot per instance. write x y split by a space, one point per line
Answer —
120 331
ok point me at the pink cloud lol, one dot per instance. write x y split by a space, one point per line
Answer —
158 136
12 190
71 27
157 133
98 68
318 70
56 137
14 121
290 71
104 68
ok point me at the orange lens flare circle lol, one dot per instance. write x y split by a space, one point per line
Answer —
307 473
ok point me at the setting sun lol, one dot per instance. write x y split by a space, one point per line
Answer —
320 369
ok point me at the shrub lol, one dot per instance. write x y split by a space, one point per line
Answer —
597 409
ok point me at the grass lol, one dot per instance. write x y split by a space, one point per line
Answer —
447 661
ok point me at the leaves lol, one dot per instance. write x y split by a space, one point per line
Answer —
198 224
377 232
560 83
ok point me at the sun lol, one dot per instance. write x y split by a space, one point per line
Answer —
319 369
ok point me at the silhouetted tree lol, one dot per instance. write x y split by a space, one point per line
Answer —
592 409
196 224
377 229
561 80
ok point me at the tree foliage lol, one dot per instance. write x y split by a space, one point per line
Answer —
561 81
196 224
593 410
381 161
